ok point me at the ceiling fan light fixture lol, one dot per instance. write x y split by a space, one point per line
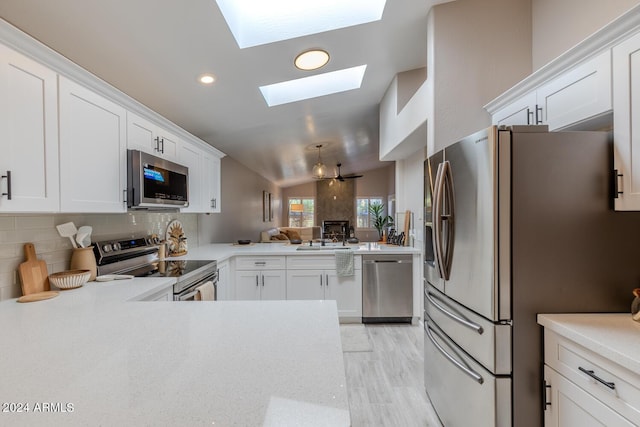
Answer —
311 59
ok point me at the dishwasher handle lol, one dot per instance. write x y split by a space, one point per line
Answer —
389 261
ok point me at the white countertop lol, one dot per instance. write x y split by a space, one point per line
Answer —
613 335
223 251
118 361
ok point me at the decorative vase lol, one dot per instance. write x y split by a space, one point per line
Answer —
84 259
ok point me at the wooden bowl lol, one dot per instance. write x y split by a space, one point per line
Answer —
69 279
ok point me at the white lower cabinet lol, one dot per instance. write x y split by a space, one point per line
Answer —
164 295
29 179
583 388
92 151
315 278
224 288
260 278
260 285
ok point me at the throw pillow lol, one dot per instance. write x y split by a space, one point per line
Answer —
293 235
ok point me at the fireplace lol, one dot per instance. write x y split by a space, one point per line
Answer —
335 229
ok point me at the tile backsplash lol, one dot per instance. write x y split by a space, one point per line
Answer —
18 229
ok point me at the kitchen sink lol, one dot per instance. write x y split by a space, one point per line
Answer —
320 248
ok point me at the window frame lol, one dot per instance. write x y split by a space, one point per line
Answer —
300 199
381 200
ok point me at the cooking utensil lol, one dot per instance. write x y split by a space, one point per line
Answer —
38 296
84 236
33 272
69 230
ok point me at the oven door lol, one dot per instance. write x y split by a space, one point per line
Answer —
189 293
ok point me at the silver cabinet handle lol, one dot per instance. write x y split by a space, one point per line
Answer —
321 280
460 365
8 193
257 280
124 196
157 140
589 372
326 280
458 318
538 118
529 116
263 280
260 263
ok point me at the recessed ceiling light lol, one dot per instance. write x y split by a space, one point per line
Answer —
313 86
256 22
311 59
207 79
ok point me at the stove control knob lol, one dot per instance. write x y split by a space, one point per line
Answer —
106 248
116 246
155 240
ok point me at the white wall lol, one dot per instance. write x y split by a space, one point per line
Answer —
410 194
477 50
241 216
560 24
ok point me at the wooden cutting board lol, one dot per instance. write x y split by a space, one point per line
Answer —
407 220
38 296
33 272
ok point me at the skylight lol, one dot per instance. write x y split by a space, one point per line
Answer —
256 22
313 86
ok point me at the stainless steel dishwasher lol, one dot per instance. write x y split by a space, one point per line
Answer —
387 288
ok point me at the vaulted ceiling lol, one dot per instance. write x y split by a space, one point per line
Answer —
155 50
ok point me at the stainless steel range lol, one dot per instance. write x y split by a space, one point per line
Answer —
139 257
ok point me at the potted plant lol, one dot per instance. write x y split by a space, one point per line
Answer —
379 220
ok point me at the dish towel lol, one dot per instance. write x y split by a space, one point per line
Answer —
344 263
206 292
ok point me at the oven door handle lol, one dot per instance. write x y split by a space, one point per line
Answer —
187 296
460 365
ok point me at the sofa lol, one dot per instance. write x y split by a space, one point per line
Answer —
282 234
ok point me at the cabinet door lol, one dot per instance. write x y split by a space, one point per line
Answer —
211 173
346 291
223 289
274 285
92 151
145 136
572 406
305 285
626 122
28 135
577 95
247 285
191 157
519 112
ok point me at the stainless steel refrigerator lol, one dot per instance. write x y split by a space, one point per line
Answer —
518 221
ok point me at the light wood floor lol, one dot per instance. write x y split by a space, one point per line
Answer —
386 385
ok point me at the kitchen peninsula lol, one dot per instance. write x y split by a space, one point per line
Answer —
97 355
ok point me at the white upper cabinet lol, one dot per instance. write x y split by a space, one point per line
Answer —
580 94
520 112
211 172
92 151
28 135
145 136
191 156
626 123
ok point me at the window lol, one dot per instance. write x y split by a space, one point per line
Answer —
301 212
363 219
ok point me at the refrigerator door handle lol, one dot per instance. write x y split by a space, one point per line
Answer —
458 318
460 365
437 223
449 216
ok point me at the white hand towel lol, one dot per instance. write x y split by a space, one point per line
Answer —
206 292
344 262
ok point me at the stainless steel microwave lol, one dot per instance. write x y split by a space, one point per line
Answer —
154 183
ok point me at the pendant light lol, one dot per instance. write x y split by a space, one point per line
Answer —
319 169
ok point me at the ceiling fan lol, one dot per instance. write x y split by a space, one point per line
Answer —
341 178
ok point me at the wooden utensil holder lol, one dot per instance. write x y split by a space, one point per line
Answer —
84 259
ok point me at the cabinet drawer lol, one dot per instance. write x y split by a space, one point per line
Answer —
265 262
582 366
322 262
